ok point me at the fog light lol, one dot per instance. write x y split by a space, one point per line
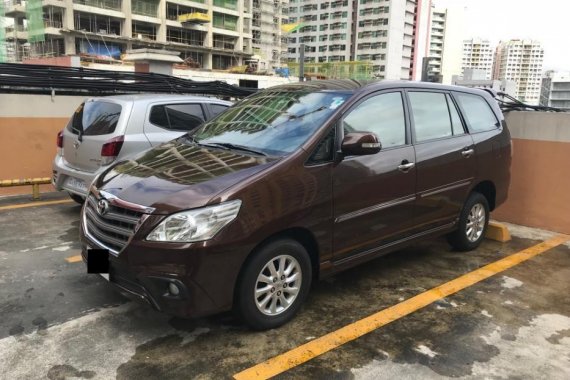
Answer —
173 289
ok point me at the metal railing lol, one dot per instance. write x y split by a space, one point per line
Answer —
34 182
104 4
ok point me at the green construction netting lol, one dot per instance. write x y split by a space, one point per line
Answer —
35 16
2 34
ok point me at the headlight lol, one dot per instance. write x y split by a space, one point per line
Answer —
196 225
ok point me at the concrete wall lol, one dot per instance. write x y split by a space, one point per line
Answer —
28 129
539 195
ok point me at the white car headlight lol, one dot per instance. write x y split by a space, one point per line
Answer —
195 225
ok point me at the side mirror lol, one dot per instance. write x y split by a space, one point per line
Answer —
360 144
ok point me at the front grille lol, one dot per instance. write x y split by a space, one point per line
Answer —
113 229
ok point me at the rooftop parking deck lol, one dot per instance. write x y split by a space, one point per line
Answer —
58 322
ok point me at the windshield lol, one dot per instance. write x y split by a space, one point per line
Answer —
271 122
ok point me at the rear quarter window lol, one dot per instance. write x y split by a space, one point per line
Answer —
178 117
477 112
217 108
95 118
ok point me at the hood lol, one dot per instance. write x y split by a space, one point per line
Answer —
179 175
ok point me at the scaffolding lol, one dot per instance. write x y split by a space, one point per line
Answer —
268 42
361 70
3 47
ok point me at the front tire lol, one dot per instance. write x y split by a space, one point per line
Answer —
473 222
77 198
274 284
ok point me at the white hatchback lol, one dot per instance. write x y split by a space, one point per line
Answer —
105 129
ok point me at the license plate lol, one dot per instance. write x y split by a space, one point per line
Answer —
98 262
76 184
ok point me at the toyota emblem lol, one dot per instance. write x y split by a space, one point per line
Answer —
102 207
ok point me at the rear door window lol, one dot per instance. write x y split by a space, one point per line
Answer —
95 118
217 108
178 117
477 112
431 115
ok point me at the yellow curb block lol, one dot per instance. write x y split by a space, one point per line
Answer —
73 259
498 232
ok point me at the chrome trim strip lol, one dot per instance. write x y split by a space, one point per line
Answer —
93 239
114 200
113 215
453 186
102 225
377 207
388 245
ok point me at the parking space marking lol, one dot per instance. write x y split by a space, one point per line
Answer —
335 339
34 204
73 259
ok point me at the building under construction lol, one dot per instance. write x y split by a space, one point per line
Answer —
269 41
209 34
361 70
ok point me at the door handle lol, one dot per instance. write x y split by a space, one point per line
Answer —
405 166
468 152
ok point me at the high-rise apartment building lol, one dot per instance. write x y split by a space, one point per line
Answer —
388 33
269 42
445 44
521 61
211 34
555 90
477 54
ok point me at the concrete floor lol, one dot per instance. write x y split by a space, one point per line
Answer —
57 322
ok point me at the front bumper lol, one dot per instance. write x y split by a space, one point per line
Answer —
205 273
62 171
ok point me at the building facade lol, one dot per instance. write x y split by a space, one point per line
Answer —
387 33
555 91
445 44
209 34
478 54
521 61
269 42
477 78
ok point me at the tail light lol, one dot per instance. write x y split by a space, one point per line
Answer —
60 139
111 149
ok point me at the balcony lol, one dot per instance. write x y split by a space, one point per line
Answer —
114 5
15 8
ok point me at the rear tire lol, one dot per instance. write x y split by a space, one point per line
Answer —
472 225
273 284
77 198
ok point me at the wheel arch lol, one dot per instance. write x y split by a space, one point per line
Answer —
489 191
299 234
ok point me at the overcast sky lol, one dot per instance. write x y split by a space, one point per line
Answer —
545 20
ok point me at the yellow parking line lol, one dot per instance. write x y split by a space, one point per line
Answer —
73 259
330 341
34 204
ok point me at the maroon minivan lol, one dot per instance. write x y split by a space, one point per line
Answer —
295 183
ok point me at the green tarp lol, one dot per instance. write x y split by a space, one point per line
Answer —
35 16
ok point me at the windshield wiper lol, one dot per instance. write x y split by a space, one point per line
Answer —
292 117
235 147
